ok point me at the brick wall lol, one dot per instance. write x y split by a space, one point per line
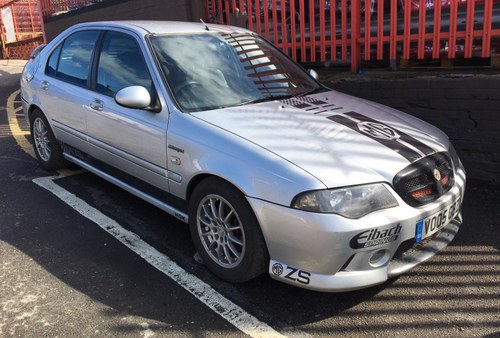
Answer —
466 107
175 10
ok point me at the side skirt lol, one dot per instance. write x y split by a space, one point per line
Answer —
168 208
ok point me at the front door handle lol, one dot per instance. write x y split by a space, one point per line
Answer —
97 105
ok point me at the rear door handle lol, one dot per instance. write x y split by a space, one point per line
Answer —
44 85
97 105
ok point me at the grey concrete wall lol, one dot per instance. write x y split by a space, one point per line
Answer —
466 107
175 10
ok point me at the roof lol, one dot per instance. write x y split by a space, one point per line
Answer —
163 27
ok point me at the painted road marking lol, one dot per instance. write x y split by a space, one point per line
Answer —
16 130
201 290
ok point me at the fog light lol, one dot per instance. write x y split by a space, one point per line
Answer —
380 258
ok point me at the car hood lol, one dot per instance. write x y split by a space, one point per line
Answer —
339 139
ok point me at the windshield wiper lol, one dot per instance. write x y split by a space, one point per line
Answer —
267 98
314 91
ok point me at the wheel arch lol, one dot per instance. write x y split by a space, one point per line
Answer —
258 248
31 109
197 179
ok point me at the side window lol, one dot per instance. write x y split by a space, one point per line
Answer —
121 64
52 64
76 57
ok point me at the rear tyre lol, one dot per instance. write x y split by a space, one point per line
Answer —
225 232
48 150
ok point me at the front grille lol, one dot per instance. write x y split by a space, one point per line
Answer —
425 180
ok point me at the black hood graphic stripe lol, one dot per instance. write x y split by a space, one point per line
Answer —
384 134
425 149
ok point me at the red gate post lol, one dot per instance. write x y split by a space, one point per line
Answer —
293 30
469 29
380 29
333 30
322 35
42 22
436 38
393 34
368 30
343 29
284 38
355 33
407 30
421 29
452 40
302 25
488 10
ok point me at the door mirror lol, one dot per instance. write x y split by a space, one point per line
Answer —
136 97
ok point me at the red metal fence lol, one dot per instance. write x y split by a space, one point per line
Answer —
353 30
21 23
21 28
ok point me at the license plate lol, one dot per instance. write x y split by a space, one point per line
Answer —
430 225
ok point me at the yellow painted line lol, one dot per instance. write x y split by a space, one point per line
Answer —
17 132
20 133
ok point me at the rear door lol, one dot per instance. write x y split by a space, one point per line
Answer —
65 85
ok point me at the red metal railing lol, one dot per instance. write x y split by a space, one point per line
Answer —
351 31
25 28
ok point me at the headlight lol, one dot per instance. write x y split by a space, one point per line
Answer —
350 202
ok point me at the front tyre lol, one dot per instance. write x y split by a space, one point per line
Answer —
48 150
225 232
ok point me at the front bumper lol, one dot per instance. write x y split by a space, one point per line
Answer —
322 251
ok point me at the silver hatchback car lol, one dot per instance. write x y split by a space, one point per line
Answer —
270 169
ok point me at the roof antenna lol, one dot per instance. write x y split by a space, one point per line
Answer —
203 22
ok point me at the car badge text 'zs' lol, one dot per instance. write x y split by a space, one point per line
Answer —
292 274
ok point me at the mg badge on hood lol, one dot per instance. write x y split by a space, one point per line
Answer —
378 130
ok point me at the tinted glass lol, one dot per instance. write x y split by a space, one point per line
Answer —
76 55
218 70
52 64
121 64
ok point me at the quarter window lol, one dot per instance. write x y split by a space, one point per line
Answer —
121 64
52 64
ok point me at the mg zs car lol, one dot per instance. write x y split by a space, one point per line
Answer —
270 169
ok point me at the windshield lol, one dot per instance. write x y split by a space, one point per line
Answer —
217 70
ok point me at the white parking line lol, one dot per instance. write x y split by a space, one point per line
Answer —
204 292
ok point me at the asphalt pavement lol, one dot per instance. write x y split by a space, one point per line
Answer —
82 258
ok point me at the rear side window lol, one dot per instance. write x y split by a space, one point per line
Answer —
121 64
72 61
52 64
